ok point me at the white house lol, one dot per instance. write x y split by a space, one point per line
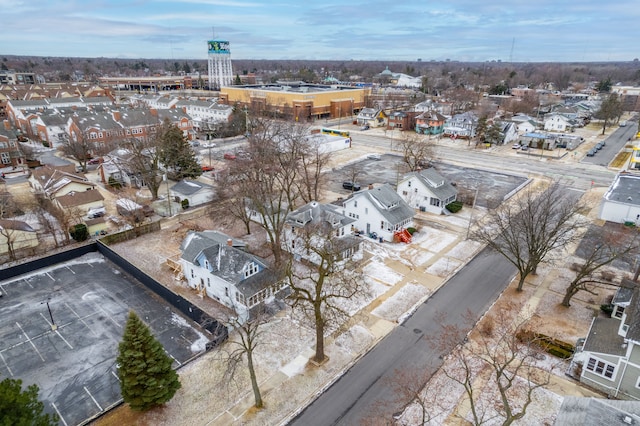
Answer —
557 123
16 235
461 125
195 192
312 224
621 202
371 117
380 210
215 264
427 191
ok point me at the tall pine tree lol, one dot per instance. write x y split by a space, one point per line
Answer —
176 153
145 373
22 408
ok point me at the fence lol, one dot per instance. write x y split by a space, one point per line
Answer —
132 233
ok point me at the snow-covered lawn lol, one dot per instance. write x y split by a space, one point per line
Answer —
443 267
377 270
402 301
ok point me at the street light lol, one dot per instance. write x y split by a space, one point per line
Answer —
54 327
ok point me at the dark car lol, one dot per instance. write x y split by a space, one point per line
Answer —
351 186
591 152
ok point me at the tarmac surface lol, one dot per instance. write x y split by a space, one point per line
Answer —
61 327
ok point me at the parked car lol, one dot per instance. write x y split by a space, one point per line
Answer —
524 148
598 146
194 143
351 186
365 127
229 156
516 146
623 123
97 160
207 168
373 157
591 152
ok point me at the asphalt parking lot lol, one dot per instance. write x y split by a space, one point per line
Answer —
88 299
492 186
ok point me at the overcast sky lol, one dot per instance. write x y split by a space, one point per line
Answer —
403 30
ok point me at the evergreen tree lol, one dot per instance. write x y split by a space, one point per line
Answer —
176 154
22 408
145 373
493 134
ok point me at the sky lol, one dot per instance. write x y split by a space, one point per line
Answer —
392 30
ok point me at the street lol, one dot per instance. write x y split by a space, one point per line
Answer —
353 396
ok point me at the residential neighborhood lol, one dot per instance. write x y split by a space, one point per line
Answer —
329 215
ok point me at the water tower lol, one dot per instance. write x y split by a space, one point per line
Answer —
219 61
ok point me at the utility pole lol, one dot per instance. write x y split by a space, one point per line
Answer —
54 327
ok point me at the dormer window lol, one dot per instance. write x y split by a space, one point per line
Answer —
250 269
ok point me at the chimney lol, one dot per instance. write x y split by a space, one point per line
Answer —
153 112
370 186
116 115
230 242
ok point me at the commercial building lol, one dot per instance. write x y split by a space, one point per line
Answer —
298 100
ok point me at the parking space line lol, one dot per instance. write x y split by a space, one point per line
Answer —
63 339
52 279
174 358
91 396
3 290
59 415
109 316
81 319
72 271
28 283
29 340
6 365
115 375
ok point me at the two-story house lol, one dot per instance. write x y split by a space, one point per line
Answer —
401 120
430 123
557 123
10 154
315 224
610 354
67 189
461 126
371 117
215 265
379 210
427 191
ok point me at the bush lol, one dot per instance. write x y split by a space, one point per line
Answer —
185 204
607 308
79 232
45 144
550 345
454 207
113 183
411 230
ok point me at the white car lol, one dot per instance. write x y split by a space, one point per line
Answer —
373 157
516 146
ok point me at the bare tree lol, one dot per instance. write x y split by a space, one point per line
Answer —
243 344
416 151
143 160
610 110
312 162
527 229
497 369
319 286
611 246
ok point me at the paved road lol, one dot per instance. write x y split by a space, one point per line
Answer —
613 144
351 399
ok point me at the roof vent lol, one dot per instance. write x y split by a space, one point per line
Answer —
628 420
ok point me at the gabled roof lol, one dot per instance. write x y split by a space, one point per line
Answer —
317 213
435 183
387 202
632 316
16 225
52 179
74 199
226 262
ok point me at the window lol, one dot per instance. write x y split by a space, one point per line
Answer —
601 368
355 204
409 184
382 224
415 190
192 274
5 158
226 291
405 193
435 202
366 210
250 269
206 264
208 282
618 311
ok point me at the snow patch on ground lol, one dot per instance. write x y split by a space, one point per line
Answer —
87 258
436 240
464 250
382 273
443 267
395 306
200 344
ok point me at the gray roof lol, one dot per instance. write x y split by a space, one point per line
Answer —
624 292
580 411
603 337
388 203
625 189
315 213
227 262
430 178
190 187
632 317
